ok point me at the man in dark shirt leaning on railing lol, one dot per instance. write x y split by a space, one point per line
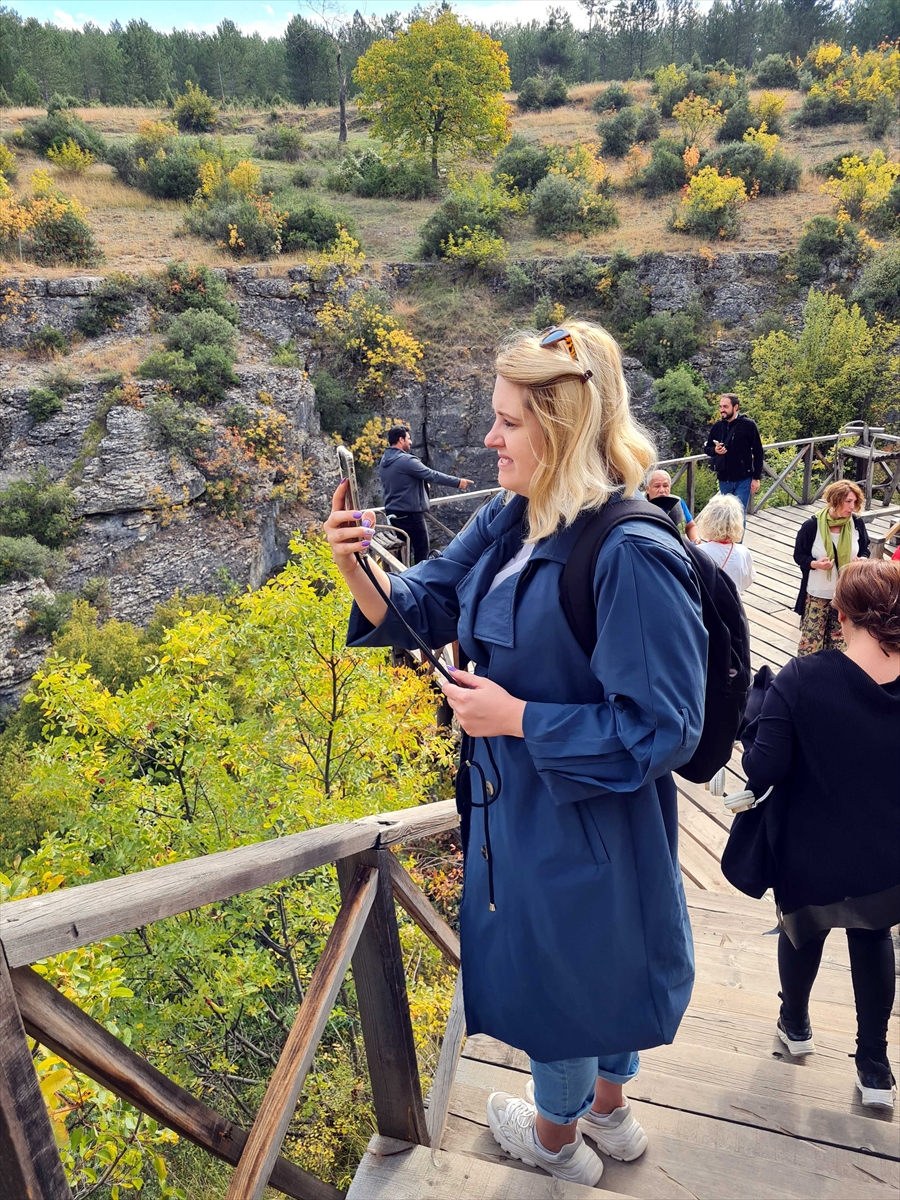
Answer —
735 451
403 478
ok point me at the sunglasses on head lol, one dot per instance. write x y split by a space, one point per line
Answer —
555 336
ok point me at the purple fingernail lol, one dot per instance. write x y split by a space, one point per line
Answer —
366 544
357 515
367 524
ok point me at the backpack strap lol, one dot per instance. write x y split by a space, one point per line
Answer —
576 587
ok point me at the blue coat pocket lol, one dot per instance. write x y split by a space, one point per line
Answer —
592 834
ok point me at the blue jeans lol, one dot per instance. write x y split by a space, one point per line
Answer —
564 1090
736 487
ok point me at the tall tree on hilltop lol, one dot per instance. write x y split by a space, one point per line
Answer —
437 89
146 66
806 22
310 57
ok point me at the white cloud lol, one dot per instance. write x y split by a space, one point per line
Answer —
66 21
270 10
266 28
520 13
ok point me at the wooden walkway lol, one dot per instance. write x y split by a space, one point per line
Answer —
729 1115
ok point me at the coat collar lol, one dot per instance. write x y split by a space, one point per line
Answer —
555 548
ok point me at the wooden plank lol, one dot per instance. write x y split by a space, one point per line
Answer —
34 928
446 1176
706 802
709 833
31 1166
709 1157
380 980
451 1046
264 1141
419 907
60 1025
699 865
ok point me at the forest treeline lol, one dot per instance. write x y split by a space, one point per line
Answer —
136 64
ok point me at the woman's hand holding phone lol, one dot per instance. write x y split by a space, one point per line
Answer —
348 532
483 708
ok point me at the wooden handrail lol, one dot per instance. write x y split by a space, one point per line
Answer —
36 927
54 1021
271 1124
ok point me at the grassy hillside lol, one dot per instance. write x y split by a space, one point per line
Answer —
137 232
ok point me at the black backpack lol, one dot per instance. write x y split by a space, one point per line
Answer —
728 672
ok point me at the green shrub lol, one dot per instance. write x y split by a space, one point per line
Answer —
40 509
671 84
194 110
182 287
664 340
523 163
311 225
738 119
25 89
828 109
46 617
287 355
336 403
260 238
682 403
882 116
824 239
58 102
648 124
55 130
531 95
574 277
25 558
619 133
710 204
47 342
179 427
546 312
63 238
626 301
832 166
113 300
477 249
776 71
555 93
42 404
877 291
282 143
772 173
463 209
520 284
562 204
367 173
613 98
199 327
303 177
665 170
204 377
172 175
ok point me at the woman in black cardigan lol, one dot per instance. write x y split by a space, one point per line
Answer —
835 829
825 544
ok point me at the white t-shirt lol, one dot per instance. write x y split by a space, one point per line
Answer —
514 566
736 561
818 584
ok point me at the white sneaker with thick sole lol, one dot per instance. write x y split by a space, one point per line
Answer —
876 1084
620 1134
512 1124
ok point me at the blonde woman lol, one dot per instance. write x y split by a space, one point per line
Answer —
576 946
721 526
825 544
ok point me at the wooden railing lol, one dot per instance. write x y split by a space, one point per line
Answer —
365 933
877 467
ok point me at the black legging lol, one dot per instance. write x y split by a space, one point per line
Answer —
872 970
413 523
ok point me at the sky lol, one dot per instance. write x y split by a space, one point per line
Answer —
257 16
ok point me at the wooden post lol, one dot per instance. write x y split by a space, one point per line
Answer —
423 913
30 1166
690 486
271 1124
384 1009
807 473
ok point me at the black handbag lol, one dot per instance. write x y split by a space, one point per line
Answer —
748 862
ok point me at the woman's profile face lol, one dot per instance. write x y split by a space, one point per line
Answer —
516 436
847 506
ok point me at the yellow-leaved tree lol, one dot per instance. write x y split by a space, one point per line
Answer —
437 89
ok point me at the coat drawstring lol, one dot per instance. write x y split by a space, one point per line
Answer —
491 796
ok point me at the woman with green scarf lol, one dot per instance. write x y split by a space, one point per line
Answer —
825 544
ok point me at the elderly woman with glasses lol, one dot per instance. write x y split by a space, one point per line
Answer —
576 945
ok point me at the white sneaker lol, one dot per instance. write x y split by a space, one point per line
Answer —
620 1134
512 1124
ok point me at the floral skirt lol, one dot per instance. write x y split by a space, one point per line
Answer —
819 627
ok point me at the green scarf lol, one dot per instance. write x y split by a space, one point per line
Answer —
845 539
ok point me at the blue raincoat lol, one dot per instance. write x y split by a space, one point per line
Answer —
588 951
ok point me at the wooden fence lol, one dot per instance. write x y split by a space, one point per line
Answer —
365 934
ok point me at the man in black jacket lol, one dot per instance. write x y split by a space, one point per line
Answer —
735 451
403 479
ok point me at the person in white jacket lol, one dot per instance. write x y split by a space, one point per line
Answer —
721 526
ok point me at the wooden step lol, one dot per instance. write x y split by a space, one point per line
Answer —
416 1173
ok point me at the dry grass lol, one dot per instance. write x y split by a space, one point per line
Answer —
124 358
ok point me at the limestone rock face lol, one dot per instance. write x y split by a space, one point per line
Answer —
129 473
55 444
20 654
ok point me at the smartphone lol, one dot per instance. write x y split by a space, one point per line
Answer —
347 468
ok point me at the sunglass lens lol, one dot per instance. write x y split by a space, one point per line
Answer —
554 336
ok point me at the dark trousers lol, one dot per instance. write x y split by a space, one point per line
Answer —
872 970
413 523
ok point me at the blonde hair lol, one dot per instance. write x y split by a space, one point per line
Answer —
838 491
592 444
722 520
